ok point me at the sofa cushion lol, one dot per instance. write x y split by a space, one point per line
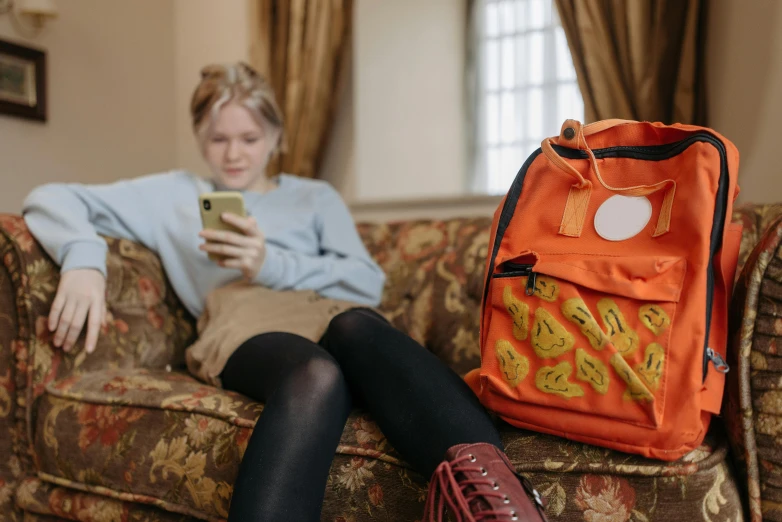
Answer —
167 439
583 482
44 502
164 439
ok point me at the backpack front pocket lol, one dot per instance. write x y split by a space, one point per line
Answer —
589 335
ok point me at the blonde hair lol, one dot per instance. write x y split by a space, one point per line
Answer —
237 82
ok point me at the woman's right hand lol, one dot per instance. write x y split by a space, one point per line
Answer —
81 295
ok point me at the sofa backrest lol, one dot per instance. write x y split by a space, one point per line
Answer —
434 274
434 280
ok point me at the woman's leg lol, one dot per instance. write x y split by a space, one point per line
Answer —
430 416
284 471
422 406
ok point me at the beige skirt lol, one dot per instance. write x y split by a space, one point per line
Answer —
236 312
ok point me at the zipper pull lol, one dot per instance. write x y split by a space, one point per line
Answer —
716 359
531 280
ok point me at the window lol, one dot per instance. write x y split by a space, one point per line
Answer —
525 86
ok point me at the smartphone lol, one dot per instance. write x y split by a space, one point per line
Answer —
213 205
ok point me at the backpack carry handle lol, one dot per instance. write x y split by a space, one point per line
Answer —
578 198
600 126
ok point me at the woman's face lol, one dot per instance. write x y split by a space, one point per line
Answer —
237 149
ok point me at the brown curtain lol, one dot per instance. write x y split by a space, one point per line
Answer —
299 45
638 59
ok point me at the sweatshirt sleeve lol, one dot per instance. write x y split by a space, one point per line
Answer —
343 269
66 218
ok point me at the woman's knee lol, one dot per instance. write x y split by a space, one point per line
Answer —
355 323
265 362
323 374
313 383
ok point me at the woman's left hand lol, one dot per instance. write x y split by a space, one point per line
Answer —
245 251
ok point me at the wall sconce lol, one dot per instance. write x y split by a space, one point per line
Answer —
29 16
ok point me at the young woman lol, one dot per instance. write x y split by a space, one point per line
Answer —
298 236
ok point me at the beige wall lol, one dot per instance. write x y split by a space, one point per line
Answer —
339 159
408 99
118 104
205 31
745 82
441 207
111 105
403 112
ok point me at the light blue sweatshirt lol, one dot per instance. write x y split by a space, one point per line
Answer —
311 239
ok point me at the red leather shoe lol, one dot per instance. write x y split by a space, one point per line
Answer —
477 483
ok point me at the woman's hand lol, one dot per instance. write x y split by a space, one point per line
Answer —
81 295
245 251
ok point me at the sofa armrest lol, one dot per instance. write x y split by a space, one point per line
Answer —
753 400
146 324
756 219
15 461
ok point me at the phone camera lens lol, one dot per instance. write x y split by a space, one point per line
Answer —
207 204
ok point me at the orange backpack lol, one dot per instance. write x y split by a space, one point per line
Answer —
611 261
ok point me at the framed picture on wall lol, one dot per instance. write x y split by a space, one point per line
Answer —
22 81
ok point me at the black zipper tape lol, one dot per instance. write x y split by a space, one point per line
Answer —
513 270
646 153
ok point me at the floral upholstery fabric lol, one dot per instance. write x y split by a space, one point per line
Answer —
753 405
193 436
433 287
115 436
141 432
756 219
45 502
582 482
8 487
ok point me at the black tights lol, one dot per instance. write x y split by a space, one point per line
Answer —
421 405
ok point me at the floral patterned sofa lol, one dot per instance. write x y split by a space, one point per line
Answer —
125 434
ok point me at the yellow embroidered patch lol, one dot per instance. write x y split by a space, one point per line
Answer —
545 288
553 379
635 388
549 338
654 318
592 370
624 338
519 312
575 310
651 369
513 365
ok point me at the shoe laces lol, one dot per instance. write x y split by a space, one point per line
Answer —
452 493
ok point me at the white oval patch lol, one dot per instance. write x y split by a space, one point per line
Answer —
622 217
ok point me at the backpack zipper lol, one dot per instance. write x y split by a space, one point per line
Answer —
670 150
716 359
717 228
520 270
653 152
